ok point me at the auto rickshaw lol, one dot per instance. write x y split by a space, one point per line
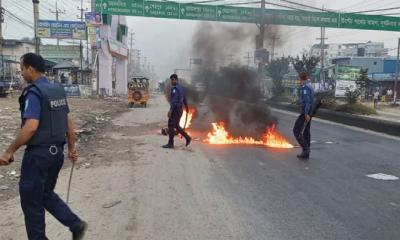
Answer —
138 91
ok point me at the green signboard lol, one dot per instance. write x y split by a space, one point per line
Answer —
198 12
348 73
161 9
369 22
237 14
223 13
301 18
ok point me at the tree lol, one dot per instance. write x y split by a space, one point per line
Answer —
352 96
276 70
362 81
305 64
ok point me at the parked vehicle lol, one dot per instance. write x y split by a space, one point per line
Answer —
138 88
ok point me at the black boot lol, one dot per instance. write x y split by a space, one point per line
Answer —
79 233
305 154
188 140
169 145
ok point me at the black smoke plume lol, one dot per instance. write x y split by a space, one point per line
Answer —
233 93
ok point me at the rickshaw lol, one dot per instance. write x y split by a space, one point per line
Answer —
138 88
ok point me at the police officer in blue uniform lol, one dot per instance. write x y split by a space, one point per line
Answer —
45 125
178 100
302 126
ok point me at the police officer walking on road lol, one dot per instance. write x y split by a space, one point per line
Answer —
45 125
178 99
302 126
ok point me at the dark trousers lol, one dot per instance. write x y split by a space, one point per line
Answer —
173 123
39 173
301 131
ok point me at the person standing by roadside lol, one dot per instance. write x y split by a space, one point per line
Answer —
46 124
302 126
376 98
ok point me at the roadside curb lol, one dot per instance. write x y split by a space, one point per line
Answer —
378 125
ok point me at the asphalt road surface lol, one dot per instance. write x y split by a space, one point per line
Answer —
327 197
207 192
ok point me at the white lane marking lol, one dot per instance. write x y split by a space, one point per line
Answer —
261 164
340 124
382 176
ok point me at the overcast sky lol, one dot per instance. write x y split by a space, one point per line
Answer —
167 43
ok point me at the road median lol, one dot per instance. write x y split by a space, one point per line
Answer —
373 124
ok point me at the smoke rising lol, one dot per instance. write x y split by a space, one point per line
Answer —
233 92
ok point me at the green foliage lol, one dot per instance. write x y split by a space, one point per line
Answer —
276 70
305 64
363 82
352 96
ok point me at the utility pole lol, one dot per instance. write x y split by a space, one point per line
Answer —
93 9
397 74
273 46
1 38
57 12
137 62
260 40
144 64
322 38
131 47
248 57
95 60
262 25
82 10
35 20
130 65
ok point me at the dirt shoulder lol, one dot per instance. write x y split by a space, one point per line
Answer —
90 117
127 187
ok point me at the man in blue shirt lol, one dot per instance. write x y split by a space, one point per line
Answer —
178 100
46 124
302 126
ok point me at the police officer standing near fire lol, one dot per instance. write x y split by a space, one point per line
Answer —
302 126
45 125
178 100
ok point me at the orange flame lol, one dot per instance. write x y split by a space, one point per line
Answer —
189 118
271 138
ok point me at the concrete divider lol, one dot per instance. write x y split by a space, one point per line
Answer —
378 125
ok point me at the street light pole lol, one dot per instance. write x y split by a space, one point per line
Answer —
80 41
262 26
35 20
260 40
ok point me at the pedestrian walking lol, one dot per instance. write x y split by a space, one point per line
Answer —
301 129
46 124
177 101
376 98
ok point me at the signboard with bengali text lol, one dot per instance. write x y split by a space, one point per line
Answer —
191 11
61 29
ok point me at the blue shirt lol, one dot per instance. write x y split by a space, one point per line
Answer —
307 98
33 105
178 98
